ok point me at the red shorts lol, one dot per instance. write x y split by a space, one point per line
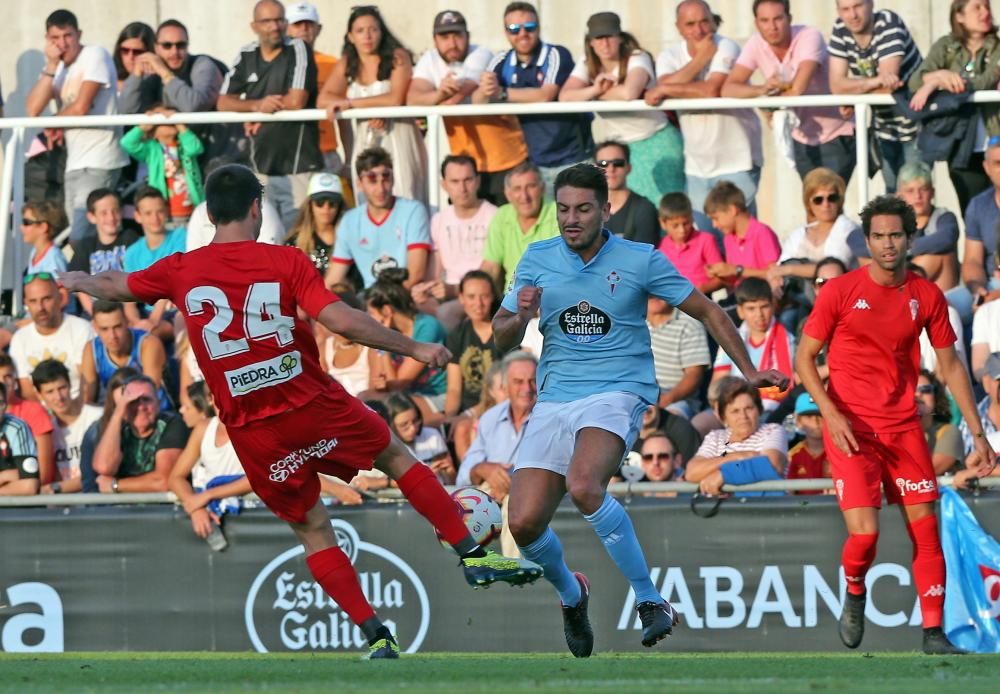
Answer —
900 462
335 434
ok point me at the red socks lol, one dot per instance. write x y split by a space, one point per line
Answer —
332 569
857 558
928 568
421 488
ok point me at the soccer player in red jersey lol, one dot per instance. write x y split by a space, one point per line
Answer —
287 419
872 319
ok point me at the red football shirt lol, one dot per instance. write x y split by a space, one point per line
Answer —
240 303
874 352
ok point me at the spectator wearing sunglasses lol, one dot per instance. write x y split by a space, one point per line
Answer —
943 437
40 223
825 232
168 74
315 230
614 67
660 460
51 334
452 73
534 71
633 217
134 40
827 269
724 145
81 80
385 232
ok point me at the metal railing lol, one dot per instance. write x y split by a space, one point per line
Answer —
12 185
394 495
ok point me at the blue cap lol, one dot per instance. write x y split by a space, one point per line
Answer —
804 404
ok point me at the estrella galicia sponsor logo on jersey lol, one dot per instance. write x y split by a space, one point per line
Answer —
584 323
264 374
286 610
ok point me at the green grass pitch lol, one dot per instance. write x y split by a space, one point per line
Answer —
656 671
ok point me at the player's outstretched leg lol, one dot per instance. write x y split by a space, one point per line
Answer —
534 496
333 571
929 578
595 458
424 492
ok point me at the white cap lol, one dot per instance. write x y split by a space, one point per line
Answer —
327 183
301 12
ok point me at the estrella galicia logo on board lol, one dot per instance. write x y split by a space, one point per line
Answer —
286 610
584 323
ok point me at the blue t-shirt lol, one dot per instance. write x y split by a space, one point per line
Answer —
140 256
432 380
593 317
551 140
53 261
981 217
376 247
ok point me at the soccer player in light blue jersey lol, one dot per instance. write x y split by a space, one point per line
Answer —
595 379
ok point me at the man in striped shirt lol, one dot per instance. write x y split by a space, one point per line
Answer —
18 454
680 356
874 52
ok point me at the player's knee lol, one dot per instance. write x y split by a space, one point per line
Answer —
524 528
587 494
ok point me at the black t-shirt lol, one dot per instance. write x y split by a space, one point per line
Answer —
279 149
139 455
90 255
636 221
474 358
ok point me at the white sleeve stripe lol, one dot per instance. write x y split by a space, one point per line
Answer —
301 64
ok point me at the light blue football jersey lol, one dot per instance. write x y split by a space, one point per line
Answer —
372 246
593 315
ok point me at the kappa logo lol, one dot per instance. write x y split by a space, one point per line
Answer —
862 305
935 591
920 487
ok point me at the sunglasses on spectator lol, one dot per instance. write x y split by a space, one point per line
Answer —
45 276
168 45
377 176
125 50
515 29
832 198
820 281
326 201
927 389
605 163
648 457
25 222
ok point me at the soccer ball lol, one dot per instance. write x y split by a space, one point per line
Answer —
481 514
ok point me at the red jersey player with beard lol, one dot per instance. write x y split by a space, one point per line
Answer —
872 319
287 419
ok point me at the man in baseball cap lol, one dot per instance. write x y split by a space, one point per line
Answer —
807 459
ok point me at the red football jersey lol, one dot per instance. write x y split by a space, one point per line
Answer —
874 352
240 303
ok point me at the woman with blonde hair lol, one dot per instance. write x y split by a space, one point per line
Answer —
826 229
41 222
315 229
616 68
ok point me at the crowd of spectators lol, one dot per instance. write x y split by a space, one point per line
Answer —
105 397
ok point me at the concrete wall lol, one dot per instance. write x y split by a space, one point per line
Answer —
220 27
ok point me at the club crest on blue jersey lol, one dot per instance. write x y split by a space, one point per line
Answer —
613 279
584 323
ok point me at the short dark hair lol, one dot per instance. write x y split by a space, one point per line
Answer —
3 391
145 193
889 206
379 408
400 402
141 378
753 289
49 371
100 194
519 7
462 159
585 176
675 205
388 290
626 150
831 260
7 361
62 19
725 194
475 275
171 23
784 3
370 158
731 391
230 192
105 306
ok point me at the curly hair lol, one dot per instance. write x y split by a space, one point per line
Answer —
388 290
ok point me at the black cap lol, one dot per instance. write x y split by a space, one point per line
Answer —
449 22
603 24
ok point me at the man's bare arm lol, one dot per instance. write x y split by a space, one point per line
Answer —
111 285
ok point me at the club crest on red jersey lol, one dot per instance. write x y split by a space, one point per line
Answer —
914 308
